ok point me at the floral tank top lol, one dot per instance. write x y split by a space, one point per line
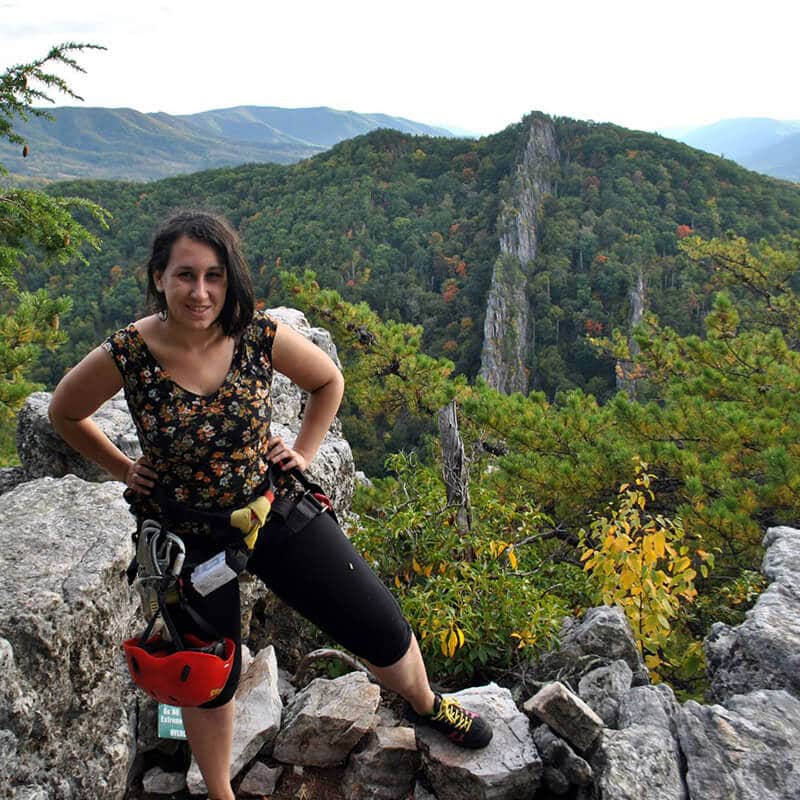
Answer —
210 452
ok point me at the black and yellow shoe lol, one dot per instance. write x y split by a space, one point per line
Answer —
450 718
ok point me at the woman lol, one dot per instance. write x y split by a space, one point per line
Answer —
197 378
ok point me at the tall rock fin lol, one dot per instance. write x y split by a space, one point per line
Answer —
507 335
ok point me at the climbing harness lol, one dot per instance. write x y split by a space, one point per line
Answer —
186 670
237 531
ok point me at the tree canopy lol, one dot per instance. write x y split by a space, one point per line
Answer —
36 228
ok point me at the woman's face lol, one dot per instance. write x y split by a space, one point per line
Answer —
194 284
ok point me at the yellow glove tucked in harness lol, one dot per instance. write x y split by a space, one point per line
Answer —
250 518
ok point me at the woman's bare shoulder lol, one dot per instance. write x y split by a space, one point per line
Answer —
147 325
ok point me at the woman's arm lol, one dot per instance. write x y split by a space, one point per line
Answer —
79 394
314 372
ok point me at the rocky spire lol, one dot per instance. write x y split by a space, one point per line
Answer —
627 374
507 349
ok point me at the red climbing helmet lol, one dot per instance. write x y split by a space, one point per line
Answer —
179 669
188 676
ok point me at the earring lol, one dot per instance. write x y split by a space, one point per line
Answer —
163 314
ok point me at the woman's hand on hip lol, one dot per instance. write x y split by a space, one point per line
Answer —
286 457
140 476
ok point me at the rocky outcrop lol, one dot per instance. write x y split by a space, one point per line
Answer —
764 651
56 706
603 689
506 356
626 371
601 637
386 768
566 714
638 762
532 180
42 452
745 748
67 717
508 769
748 749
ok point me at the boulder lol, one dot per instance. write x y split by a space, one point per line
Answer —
655 706
260 780
636 762
764 651
326 720
748 751
257 717
64 689
43 452
602 688
157 781
385 769
601 637
566 714
643 758
298 320
509 768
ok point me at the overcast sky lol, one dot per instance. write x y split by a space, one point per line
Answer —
476 65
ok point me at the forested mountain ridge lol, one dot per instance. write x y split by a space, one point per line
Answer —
409 225
314 127
129 145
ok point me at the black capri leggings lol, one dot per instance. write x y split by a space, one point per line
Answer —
318 573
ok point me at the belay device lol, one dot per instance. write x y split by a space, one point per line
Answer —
180 670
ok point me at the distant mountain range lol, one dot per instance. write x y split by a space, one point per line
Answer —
764 145
124 144
129 145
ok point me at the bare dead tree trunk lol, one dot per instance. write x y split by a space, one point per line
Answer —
454 467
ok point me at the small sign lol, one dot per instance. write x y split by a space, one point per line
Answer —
170 722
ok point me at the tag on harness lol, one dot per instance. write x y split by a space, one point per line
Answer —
170 722
212 574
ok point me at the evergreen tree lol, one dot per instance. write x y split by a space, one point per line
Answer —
33 226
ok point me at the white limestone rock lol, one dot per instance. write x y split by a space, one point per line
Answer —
326 720
602 688
566 714
65 691
261 780
42 452
257 717
509 768
749 750
157 781
764 651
